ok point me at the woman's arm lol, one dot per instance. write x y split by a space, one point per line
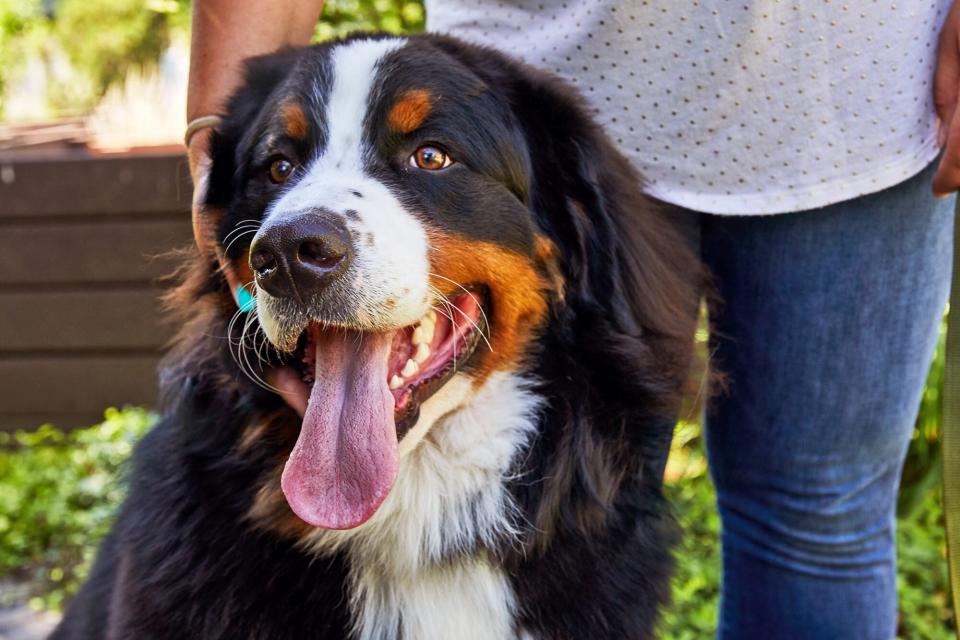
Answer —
946 89
225 32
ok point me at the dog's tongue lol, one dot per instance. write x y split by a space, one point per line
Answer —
345 460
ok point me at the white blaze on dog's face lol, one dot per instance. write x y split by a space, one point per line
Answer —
396 259
386 283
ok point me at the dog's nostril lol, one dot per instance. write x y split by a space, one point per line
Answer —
319 254
263 262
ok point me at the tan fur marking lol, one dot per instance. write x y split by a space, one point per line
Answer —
205 222
270 511
546 253
251 436
518 291
241 270
409 112
294 120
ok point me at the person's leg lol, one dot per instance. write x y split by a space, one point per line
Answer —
827 325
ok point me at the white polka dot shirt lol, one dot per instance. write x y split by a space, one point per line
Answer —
737 107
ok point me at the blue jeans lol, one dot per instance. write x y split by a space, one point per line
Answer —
826 330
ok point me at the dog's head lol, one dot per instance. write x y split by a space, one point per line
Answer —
411 215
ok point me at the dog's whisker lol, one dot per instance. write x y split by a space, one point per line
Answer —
448 314
248 369
264 346
226 249
483 334
467 291
476 326
241 356
453 326
246 227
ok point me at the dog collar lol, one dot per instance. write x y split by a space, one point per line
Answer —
245 300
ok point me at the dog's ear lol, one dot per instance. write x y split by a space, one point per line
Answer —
627 267
218 180
262 75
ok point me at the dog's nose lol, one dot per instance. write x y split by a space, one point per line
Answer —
299 255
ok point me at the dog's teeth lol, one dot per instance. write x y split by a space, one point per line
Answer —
418 338
423 352
396 382
409 369
428 328
432 316
423 334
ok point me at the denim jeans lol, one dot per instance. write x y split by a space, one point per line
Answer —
826 329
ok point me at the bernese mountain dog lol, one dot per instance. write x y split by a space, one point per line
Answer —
490 330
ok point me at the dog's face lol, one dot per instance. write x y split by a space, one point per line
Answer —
377 192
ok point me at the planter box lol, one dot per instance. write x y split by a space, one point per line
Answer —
82 239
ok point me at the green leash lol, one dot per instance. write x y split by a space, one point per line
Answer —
951 430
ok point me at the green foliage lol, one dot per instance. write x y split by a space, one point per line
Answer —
922 470
925 612
102 39
341 17
696 585
23 28
58 493
106 39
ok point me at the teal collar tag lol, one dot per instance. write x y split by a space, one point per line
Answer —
245 300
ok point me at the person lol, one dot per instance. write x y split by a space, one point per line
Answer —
799 145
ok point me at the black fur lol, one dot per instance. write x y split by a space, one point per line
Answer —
184 560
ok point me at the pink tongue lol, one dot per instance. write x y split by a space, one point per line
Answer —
345 460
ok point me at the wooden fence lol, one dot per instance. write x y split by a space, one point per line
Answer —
80 236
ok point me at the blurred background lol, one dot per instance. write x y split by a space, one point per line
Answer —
94 190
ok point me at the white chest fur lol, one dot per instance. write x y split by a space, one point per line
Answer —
415 568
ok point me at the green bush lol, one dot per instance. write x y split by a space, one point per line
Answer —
341 17
107 39
58 493
23 28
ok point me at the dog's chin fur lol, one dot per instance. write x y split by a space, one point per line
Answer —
528 502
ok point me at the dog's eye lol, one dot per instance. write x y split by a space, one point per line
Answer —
431 158
280 170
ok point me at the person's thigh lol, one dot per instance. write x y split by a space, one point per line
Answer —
826 328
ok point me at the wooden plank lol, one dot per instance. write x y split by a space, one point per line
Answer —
64 253
117 184
87 385
71 320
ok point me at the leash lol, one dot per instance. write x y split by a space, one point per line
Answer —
951 430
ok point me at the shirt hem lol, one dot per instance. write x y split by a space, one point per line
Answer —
796 200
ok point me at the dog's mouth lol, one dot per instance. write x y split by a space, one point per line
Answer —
423 356
364 393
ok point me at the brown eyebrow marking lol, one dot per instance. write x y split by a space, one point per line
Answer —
409 111
294 120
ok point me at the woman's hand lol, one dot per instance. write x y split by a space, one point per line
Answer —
946 86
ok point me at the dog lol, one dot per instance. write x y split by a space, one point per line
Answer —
492 331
